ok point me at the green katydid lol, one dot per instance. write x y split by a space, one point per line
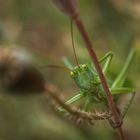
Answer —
89 84
87 80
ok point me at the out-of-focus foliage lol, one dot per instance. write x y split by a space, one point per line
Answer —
27 118
45 33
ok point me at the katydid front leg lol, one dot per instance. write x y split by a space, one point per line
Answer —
106 60
75 98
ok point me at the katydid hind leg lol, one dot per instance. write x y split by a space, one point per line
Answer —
127 106
124 72
123 90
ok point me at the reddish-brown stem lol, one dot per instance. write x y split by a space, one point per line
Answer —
121 134
92 53
69 7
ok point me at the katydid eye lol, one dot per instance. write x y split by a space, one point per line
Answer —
84 66
72 74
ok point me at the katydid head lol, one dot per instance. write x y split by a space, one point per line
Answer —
84 77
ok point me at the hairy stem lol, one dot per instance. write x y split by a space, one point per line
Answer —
89 116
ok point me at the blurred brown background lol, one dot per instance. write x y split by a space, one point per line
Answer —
44 32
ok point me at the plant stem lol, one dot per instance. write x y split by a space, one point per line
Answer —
121 133
92 53
69 7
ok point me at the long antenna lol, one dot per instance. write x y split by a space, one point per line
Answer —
55 66
73 43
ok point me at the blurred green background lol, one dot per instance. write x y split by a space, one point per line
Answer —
44 32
